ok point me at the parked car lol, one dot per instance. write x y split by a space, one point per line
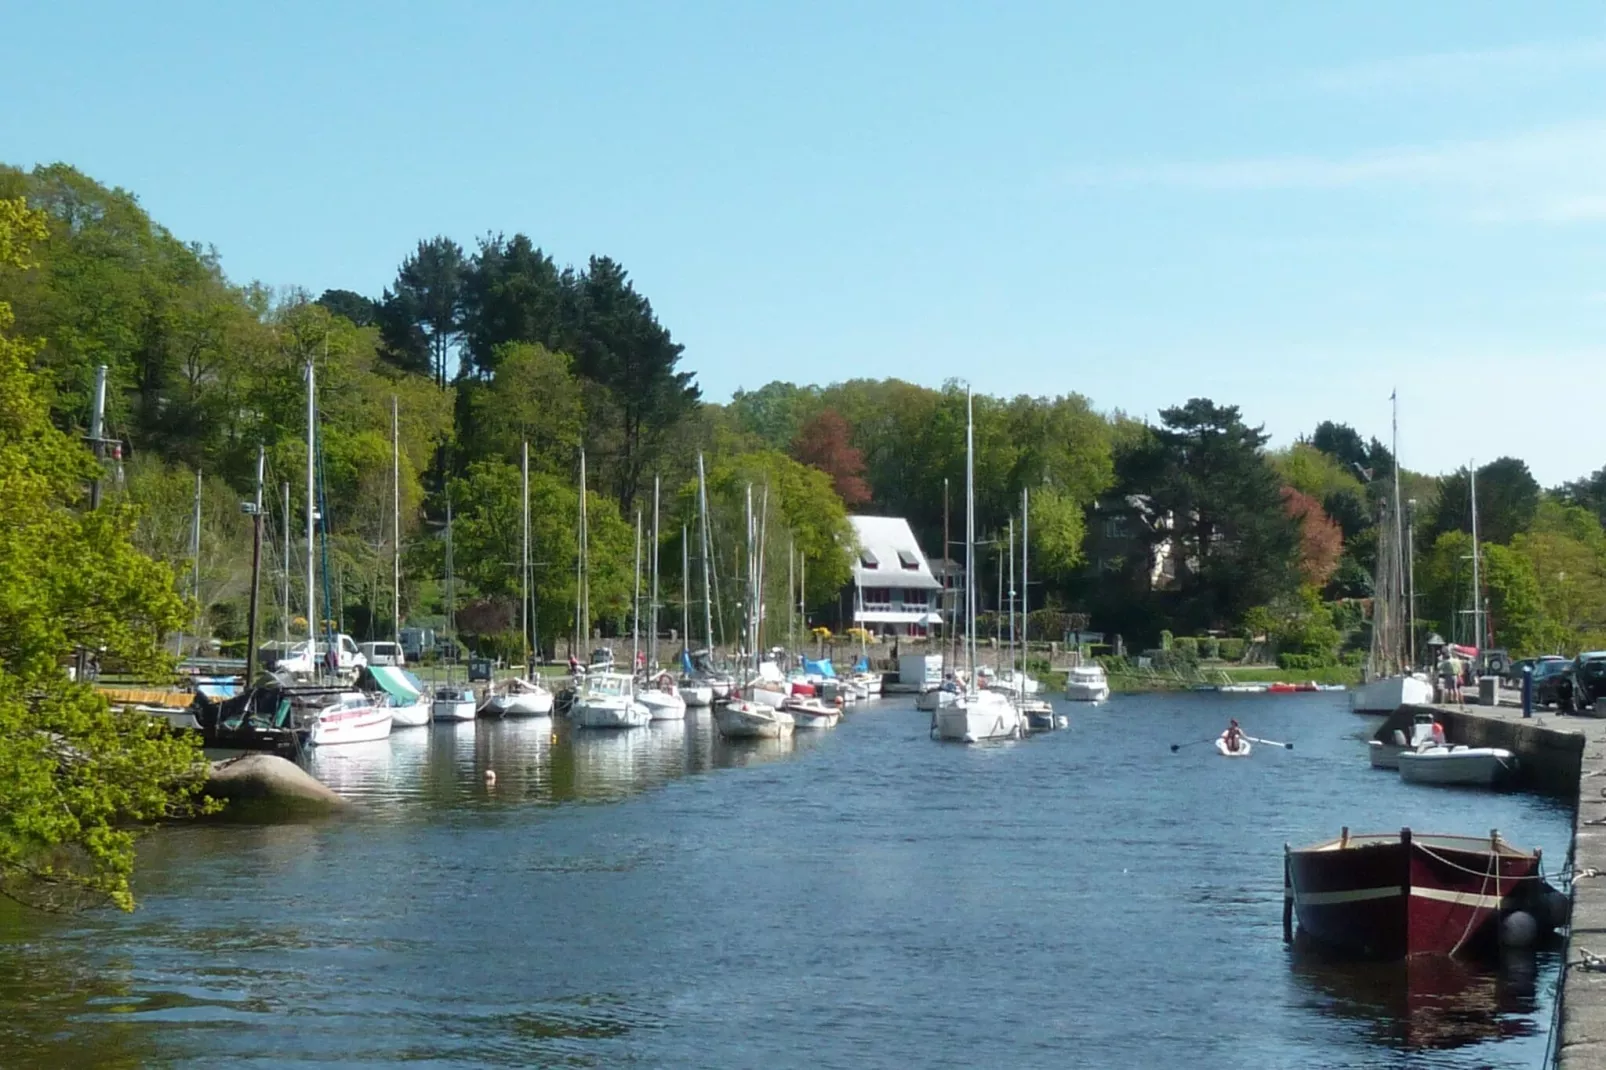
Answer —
384 653
307 658
416 641
1553 683
1588 676
1514 675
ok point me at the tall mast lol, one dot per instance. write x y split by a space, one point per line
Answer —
708 598
791 589
524 567
451 592
1025 586
685 589
1410 577
652 608
312 508
195 561
1397 581
1012 592
803 593
395 514
947 579
763 534
284 622
635 603
1477 585
256 574
749 634
582 579
970 536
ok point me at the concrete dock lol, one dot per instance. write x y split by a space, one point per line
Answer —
1562 756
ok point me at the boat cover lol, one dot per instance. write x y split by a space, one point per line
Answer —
397 683
819 668
863 664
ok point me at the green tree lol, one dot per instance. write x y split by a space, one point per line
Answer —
1508 499
73 772
428 295
532 397
512 293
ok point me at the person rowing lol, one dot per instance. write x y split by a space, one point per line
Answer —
1233 736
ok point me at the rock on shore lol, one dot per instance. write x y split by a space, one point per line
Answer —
268 778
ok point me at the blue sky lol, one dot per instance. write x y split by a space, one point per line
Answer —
1294 208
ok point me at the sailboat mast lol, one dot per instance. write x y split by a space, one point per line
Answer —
256 574
749 635
1011 592
970 536
284 621
524 566
763 533
635 603
708 598
582 598
451 592
1397 581
947 578
652 609
1025 586
195 561
791 589
1477 584
685 589
395 512
312 507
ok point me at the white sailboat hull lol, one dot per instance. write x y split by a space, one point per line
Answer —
413 715
935 699
521 704
1389 693
454 709
614 714
752 720
978 717
362 724
813 714
697 695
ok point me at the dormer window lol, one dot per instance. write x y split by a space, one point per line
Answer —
868 559
909 561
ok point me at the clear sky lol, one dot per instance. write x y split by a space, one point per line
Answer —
1290 207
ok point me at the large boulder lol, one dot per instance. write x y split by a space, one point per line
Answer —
267 778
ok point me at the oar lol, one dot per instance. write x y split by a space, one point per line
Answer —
1269 742
1178 746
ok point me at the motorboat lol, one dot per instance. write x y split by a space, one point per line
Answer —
1386 755
1395 894
868 684
770 688
935 698
1478 767
1087 683
1242 750
519 698
454 702
1243 689
746 719
352 718
608 700
1009 681
697 692
1040 716
663 701
1387 694
977 716
811 712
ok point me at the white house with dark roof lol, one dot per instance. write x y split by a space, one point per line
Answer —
894 591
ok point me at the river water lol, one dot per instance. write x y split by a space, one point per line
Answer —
858 898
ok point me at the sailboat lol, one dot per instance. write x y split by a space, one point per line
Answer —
604 698
526 696
977 713
1039 712
697 667
698 694
1389 680
452 701
410 704
657 692
743 715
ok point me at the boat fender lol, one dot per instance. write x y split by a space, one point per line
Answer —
1518 929
490 777
1554 907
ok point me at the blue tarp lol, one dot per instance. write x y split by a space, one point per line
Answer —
862 665
819 668
685 662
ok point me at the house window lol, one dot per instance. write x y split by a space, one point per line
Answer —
917 600
877 598
909 561
868 559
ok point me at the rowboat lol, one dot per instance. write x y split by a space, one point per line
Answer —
1479 767
1390 895
1242 751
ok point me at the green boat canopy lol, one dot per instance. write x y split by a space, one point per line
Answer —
396 683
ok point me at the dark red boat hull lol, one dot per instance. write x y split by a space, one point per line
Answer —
1390 898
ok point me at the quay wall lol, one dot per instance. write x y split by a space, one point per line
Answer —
1563 756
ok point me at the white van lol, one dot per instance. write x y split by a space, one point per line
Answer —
307 659
384 654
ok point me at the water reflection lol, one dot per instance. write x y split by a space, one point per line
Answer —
1429 1002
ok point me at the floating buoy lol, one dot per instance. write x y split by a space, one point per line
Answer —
1518 929
490 776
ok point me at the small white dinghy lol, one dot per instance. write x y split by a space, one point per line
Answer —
1477 767
1226 752
812 713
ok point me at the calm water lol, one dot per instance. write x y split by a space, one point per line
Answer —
858 898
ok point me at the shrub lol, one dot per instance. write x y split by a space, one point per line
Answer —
1209 648
1187 646
1232 649
1304 662
1165 640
